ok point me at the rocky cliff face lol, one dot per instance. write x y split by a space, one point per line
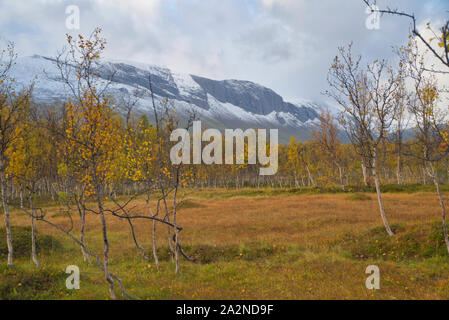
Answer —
221 104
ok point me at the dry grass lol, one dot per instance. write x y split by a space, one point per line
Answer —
259 247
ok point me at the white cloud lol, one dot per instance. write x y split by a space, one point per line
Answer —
285 3
286 45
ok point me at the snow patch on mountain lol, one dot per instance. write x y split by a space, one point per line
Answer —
185 84
230 103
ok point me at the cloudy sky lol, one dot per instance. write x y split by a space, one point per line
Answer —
286 45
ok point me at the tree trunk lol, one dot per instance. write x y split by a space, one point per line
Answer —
311 182
443 208
398 169
176 230
365 178
83 230
341 177
81 204
381 205
106 242
424 175
21 198
33 234
3 187
296 181
156 259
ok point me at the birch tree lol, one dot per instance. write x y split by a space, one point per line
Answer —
367 96
13 105
326 135
91 132
431 124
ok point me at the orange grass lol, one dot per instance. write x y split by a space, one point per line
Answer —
259 247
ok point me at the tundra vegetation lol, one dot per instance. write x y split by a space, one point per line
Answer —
89 182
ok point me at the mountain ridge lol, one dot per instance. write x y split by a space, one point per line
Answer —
219 103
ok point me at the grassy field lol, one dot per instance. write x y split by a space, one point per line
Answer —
251 244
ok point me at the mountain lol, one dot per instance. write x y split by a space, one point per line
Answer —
220 104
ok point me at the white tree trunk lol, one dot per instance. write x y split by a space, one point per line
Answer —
107 274
83 232
6 212
365 178
311 181
381 205
156 259
443 208
33 240
341 177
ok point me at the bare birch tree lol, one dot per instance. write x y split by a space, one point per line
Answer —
430 119
366 95
326 135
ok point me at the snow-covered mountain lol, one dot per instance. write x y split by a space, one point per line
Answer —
220 104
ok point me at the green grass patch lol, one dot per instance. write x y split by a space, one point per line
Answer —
419 242
206 254
21 240
360 189
358 197
20 284
189 204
